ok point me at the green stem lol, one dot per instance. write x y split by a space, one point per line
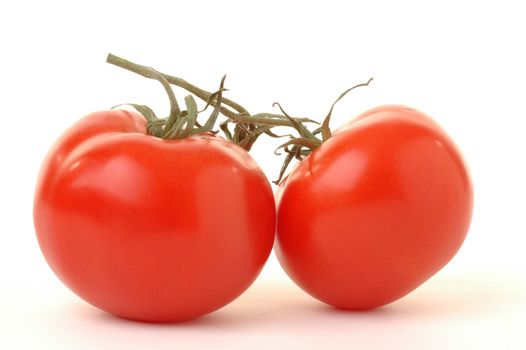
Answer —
146 72
242 115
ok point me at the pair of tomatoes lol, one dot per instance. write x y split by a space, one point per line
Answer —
168 230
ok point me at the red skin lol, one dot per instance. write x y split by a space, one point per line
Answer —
150 229
375 211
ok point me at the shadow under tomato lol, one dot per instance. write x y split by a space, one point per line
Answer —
262 303
283 303
280 313
106 317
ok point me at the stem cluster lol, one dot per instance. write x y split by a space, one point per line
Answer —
246 127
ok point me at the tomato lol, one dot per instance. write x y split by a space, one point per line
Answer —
374 211
152 229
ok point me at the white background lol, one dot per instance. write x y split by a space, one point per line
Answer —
461 62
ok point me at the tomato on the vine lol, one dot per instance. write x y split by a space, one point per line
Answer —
152 229
375 210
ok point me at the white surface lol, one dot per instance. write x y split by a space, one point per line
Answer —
460 62
452 311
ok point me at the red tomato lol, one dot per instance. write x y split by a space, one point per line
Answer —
151 229
374 211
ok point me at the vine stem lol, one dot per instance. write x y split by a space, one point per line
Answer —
242 115
248 128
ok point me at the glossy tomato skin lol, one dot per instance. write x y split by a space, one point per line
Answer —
150 229
375 211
